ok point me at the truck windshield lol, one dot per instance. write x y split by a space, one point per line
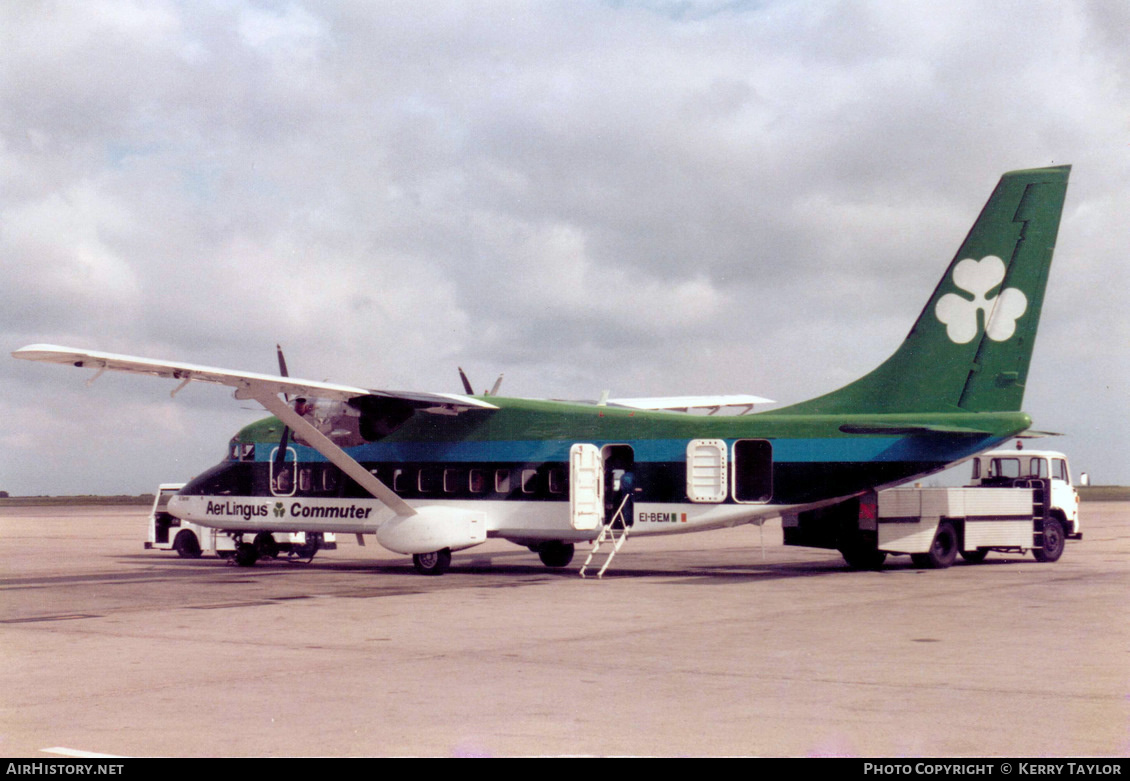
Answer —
1004 467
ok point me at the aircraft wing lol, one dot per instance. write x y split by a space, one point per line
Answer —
265 388
187 372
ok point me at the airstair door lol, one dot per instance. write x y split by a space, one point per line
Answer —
586 487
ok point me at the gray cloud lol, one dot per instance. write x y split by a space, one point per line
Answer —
656 198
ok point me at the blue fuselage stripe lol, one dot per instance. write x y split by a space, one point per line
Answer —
846 449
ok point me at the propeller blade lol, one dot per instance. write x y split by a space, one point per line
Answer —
284 442
497 385
466 382
282 361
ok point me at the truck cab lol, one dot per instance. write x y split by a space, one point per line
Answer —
1021 468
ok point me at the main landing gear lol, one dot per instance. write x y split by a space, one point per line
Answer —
555 554
435 563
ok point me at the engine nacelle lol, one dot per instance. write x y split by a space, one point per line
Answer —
433 529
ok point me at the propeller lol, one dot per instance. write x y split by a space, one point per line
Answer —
470 391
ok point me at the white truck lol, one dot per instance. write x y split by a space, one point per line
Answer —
1017 501
190 541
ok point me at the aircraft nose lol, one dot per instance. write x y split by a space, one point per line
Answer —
178 506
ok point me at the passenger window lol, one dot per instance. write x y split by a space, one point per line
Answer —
453 480
529 481
1038 467
502 481
428 480
478 481
556 481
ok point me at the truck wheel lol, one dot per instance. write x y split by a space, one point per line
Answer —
266 546
186 545
974 556
556 554
432 563
1054 541
943 550
863 558
246 555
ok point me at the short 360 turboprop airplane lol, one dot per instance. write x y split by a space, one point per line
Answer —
432 473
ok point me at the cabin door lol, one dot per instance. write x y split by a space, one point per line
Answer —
586 487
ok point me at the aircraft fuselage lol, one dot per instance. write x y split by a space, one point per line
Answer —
513 464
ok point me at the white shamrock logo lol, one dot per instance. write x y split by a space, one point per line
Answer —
1001 313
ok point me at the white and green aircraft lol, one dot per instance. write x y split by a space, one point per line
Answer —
432 473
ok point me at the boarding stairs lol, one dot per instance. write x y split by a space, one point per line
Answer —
608 543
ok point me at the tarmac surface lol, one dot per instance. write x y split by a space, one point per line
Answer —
703 644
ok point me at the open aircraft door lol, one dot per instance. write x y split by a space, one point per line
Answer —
586 487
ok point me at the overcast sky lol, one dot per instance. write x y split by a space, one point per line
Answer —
656 198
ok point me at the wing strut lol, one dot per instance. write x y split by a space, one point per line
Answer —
327 448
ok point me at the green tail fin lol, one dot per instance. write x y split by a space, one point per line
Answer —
970 349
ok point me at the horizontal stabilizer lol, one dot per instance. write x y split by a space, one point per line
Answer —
892 429
690 402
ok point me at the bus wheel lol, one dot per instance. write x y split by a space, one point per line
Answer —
556 554
974 556
1054 540
186 545
435 563
246 555
943 550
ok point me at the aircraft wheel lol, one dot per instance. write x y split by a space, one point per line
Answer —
246 554
1054 542
266 546
435 563
186 545
943 550
974 556
556 554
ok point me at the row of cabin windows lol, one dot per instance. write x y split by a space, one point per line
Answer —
454 480
426 480
713 473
